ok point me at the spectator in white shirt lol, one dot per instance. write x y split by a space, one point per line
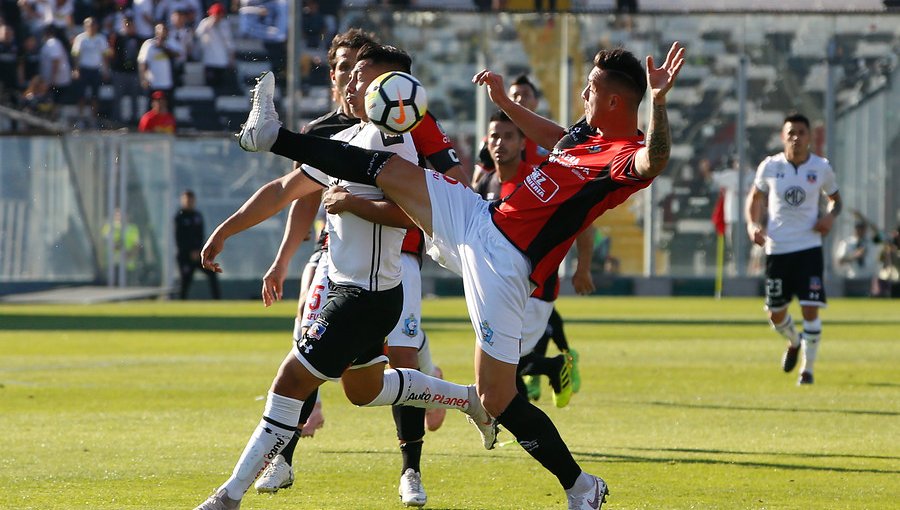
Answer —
217 46
90 56
155 63
55 67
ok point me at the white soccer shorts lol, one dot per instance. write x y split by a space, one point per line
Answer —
537 313
408 331
494 272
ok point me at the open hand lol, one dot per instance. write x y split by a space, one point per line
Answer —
660 79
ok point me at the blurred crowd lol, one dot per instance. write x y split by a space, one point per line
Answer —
60 52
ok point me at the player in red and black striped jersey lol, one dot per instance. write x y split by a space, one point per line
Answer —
503 249
504 144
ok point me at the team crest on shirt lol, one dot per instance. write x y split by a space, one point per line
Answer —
815 283
313 333
594 149
795 196
811 177
410 325
487 334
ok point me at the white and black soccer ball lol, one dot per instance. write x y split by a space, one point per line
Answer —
396 102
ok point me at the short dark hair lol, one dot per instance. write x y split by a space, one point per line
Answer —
189 193
623 68
522 79
354 39
385 54
501 116
796 117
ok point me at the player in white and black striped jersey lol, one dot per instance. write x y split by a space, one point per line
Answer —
347 340
791 183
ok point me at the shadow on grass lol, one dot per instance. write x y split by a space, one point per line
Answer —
770 409
77 322
143 323
794 454
728 462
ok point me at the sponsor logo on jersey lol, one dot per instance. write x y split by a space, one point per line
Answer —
541 185
811 177
795 196
410 325
487 334
594 149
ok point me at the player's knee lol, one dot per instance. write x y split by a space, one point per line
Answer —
360 396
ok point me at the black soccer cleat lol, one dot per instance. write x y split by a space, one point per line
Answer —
805 378
789 360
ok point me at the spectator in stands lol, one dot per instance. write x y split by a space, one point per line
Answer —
158 119
144 17
887 281
58 14
9 58
29 62
126 45
856 256
155 63
313 25
32 17
189 239
217 47
627 6
55 67
90 56
37 99
266 20
181 37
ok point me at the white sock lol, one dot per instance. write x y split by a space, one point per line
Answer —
271 436
786 329
404 386
812 333
426 364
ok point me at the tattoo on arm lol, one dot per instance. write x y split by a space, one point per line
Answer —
659 143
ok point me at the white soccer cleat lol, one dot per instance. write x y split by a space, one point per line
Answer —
219 501
277 475
592 499
434 418
412 493
261 128
478 416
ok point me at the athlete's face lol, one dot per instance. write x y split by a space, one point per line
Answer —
345 59
524 95
505 143
795 136
362 75
597 98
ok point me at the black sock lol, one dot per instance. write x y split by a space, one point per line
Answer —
288 451
550 367
335 158
558 333
412 455
538 436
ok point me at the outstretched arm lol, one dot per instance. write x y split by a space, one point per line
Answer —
541 130
265 203
296 230
651 160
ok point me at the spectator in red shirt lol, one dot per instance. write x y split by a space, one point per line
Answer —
158 119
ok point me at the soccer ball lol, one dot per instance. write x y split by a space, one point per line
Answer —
396 102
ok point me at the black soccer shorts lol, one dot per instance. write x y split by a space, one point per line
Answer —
795 274
350 329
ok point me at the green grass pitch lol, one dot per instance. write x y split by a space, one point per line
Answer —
683 405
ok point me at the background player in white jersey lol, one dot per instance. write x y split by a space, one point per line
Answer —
791 183
363 307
